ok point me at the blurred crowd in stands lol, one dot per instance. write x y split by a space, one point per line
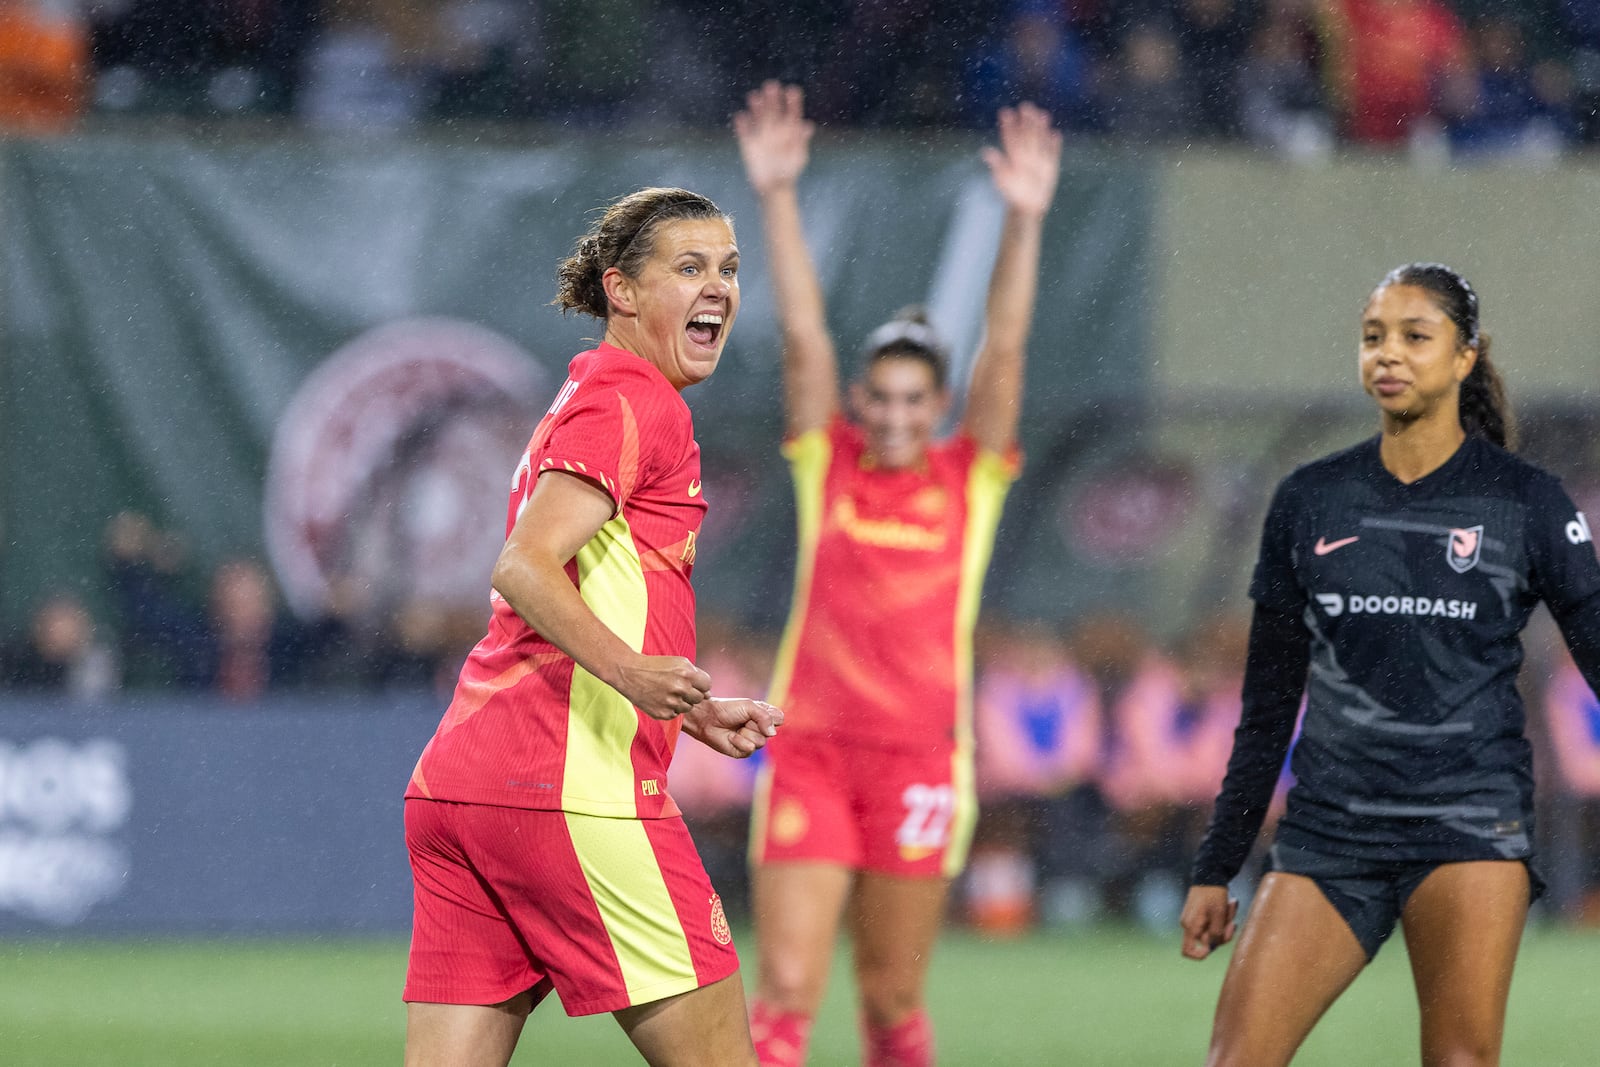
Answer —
1100 746
1455 78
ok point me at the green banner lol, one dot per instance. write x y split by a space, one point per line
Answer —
169 303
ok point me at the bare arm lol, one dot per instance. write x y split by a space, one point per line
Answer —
774 141
561 516
1025 168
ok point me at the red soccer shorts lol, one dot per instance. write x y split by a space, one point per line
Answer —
896 813
608 912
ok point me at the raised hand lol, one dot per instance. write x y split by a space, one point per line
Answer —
1027 163
664 687
733 726
774 135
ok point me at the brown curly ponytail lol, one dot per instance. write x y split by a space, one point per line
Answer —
623 237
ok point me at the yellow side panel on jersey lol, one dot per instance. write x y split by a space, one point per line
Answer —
601 724
628 889
987 483
809 455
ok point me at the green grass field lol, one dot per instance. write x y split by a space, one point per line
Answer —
1111 996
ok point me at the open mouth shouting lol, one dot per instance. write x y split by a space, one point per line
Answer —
705 329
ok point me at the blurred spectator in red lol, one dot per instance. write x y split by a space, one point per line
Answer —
1387 62
61 653
1508 105
1280 93
1145 97
1032 54
1212 35
44 68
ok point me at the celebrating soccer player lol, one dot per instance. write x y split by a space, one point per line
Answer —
544 846
1399 574
868 799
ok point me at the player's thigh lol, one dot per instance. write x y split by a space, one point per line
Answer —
1293 959
464 1035
709 1025
1463 925
797 907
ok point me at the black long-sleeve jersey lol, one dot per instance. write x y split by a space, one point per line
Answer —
1397 609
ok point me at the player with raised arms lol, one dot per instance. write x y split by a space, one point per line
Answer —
868 802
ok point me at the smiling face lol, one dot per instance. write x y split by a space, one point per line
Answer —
1413 359
678 310
899 404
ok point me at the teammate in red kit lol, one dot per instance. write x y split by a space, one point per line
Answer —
869 799
545 847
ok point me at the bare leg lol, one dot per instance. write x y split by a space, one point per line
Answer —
1295 957
894 923
703 1026
1462 926
797 911
464 1035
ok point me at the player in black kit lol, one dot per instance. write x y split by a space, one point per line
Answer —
1393 583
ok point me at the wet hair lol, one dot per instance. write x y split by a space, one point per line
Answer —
908 335
1483 405
624 236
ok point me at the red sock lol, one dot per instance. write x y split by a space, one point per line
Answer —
908 1043
780 1037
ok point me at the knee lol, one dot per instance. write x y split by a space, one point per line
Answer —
888 995
1463 1051
792 984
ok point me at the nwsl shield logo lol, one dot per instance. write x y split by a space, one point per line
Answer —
1463 547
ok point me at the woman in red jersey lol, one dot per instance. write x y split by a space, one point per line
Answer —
870 803
545 849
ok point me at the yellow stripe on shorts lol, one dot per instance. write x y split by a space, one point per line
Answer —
628 889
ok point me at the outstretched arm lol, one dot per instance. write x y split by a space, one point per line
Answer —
1025 168
775 142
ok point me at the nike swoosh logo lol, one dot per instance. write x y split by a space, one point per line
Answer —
1323 546
694 487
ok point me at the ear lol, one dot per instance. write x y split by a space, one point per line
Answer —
1466 359
619 292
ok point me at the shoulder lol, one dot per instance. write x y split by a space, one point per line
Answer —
1354 461
1497 472
1348 464
649 395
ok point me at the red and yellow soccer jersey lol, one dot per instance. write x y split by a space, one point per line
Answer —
878 646
528 727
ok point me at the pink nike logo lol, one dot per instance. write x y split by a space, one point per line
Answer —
1324 546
